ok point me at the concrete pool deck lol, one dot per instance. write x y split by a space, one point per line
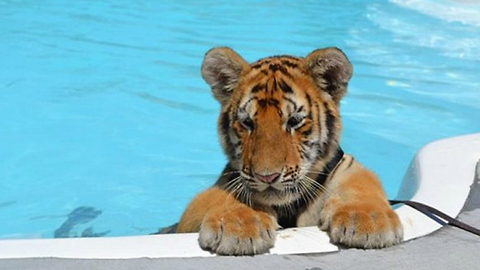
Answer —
447 248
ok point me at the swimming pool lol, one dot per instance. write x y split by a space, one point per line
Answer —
106 127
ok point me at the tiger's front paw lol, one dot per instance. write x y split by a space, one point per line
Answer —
240 231
361 225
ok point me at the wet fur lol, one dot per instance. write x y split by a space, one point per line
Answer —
280 117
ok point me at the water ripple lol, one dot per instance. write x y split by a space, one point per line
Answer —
175 104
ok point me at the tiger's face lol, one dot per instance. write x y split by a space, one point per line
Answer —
279 124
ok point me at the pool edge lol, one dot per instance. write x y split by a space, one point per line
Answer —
432 170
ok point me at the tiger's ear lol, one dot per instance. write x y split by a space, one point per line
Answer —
331 70
221 69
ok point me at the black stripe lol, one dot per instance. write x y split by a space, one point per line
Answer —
273 102
258 88
350 164
279 111
330 125
291 101
289 64
288 57
257 65
275 85
322 148
262 102
282 69
261 63
224 128
225 122
331 87
248 102
307 132
309 100
285 87
330 121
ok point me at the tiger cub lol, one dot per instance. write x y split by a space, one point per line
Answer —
280 129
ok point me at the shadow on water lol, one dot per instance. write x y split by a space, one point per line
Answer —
81 215
7 203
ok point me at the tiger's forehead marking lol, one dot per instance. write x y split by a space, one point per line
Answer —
280 68
273 82
265 94
283 63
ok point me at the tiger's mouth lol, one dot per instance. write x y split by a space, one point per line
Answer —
281 192
286 189
277 186
275 197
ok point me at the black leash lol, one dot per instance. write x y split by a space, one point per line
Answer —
436 215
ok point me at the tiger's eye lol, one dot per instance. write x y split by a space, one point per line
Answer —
294 122
248 123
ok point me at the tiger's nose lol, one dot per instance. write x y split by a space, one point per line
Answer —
270 178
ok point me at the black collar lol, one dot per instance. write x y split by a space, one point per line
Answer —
322 177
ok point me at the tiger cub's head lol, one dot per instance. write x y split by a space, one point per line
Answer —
279 123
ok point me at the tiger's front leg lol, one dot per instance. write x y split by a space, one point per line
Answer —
227 226
356 212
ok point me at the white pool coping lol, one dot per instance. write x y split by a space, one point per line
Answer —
443 171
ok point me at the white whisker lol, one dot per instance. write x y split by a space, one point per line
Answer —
317 185
232 172
319 172
314 183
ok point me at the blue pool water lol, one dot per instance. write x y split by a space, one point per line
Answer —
107 129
